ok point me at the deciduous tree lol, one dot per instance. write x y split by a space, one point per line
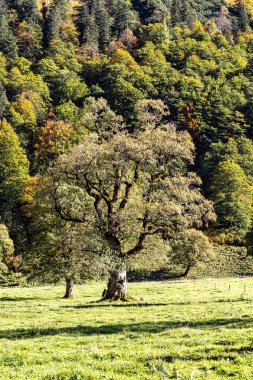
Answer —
139 187
189 248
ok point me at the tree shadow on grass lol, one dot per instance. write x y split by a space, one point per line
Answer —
229 353
18 299
138 328
95 305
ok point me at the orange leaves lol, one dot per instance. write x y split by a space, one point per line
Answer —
52 140
30 189
189 119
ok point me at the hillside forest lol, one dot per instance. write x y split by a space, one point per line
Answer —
126 131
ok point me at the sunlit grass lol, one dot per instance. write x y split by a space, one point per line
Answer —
182 330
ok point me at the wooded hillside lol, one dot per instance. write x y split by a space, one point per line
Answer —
102 79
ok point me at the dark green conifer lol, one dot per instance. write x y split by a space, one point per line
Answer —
103 23
89 31
7 40
175 12
56 14
26 10
243 18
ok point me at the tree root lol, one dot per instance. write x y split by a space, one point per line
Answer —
125 298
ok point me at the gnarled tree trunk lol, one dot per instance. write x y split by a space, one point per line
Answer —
69 288
187 270
116 287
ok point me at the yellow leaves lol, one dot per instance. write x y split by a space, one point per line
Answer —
33 188
13 161
52 132
20 79
6 245
241 62
198 32
191 86
23 112
123 57
3 63
189 119
248 4
181 56
157 33
23 65
30 189
198 65
23 26
69 33
197 26
52 140
41 3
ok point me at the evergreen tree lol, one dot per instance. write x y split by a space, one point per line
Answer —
122 17
7 40
188 13
243 19
175 12
55 17
3 101
103 23
27 10
89 31
151 11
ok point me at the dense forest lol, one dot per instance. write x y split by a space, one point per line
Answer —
126 127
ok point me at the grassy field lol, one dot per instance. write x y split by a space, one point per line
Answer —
183 330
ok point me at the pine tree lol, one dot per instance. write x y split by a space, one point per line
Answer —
243 19
122 17
27 10
89 32
188 15
7 41
54 20
175 12
103 22
3 101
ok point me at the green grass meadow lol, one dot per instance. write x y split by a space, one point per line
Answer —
180 330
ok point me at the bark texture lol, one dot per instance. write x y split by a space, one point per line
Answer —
116 287
186 272
69 288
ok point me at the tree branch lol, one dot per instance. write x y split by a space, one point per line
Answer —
129 185
60 212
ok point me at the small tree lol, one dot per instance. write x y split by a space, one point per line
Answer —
189 248
6 253
64 252
138 185
61 248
